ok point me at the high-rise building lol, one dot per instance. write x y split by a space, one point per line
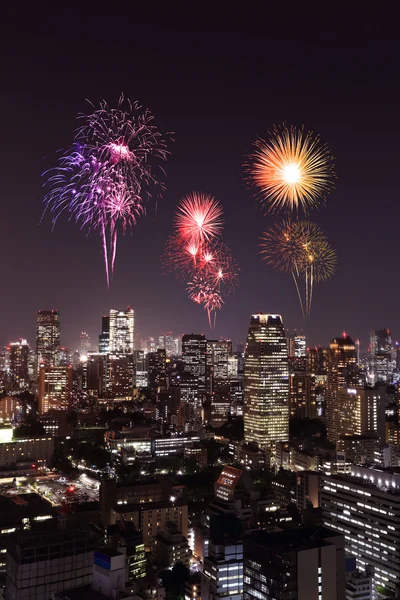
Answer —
361 411
55 387
194 352
365 508
156 369
84 343
342 373
48 337
303 564
19 363
104 337
140 369
266 382
383 356
122 326
302 395
119 383
169 343
218 353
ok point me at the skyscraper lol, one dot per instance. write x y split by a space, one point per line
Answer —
170 344
383 356
84 343
194 351
122 324
266 382
19 359
55 387
342 373
104 337
47 337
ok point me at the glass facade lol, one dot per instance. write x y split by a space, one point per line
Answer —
266 382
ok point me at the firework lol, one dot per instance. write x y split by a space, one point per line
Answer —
181 257
103 183
199 218
301 249
198 256
291 169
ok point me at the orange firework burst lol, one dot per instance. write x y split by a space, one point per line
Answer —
292 169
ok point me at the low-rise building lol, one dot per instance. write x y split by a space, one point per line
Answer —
170 547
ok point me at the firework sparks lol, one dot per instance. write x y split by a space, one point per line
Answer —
301 249
104 182
197 255
291 169
199 218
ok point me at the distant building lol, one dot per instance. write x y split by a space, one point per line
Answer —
104 337
383 356
84 343
361 411
19 363
23 452
342 373
47 337
140 369
55 388
266 382
194 352
122 329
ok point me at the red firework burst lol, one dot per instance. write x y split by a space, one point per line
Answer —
199 217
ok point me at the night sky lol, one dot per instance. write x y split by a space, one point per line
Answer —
217 82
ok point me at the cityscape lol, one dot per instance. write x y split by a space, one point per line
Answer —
200 342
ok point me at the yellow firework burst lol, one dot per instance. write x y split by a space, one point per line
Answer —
291 169
319 260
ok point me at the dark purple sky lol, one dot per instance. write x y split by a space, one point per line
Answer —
217 82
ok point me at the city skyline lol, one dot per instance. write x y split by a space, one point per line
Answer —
344 90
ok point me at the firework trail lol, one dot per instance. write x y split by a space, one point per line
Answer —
114 167
301 249
196 254
291 169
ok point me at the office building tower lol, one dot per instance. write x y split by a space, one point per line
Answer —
307 489
140 369
303 564
361 411
84 343
266 382
297 348
365 507
222 576
190 397
382 356
317 360
218 353
122 326
119 382
19 365
302 395
342 373
55 388
169 343
104 337
156 370
96 369
48 337
194 353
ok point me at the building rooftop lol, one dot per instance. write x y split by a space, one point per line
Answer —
293 539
